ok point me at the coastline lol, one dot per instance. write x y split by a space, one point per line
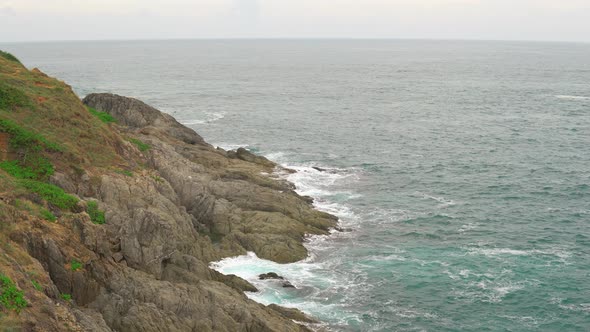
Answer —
150 205
309 275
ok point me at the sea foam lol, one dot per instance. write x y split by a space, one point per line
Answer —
314 279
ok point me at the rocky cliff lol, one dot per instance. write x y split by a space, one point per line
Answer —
111 211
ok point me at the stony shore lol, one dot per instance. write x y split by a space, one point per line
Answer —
172 204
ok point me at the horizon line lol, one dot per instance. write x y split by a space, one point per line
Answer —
295 39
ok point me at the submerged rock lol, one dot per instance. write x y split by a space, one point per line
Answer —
288 284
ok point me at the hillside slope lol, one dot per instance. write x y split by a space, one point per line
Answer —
110 213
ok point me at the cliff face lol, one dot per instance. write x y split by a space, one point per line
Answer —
172 203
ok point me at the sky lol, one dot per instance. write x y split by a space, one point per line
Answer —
45 20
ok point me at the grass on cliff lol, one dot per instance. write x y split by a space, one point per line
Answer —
11 297
47 215
9 56
21 138
102 116
11 98
32 163
52 194
96 215
46 106
75 265
143 147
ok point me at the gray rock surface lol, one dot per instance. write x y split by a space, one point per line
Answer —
170 211
135 113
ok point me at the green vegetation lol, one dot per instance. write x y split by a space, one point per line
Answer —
11 97
157 179
66 297
143 147
75 265
37 286
15 169
11 297
40 168
102 116
9 56
124 172
96 215
21 138
47 215
52 194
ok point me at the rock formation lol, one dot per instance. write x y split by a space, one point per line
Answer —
172 204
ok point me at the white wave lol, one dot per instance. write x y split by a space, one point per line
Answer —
491 252
572 97
305 275
315 279
277 157
491 291
320 182
443 201
467 227
209 117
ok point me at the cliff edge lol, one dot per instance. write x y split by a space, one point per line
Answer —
111 211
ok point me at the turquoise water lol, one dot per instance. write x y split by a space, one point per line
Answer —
462 169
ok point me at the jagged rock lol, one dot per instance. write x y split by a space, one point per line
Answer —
118 257
293 314
135 113
269 275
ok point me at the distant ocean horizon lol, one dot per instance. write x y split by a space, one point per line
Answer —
460 169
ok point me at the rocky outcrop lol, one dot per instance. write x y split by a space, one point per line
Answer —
170 210
135 113
189 205
205 191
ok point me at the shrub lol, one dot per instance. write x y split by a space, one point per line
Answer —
22 138
15 169
9 56
52 194
102 116
96 215
75 265
47 215
140 145
66 297
11 297
11 97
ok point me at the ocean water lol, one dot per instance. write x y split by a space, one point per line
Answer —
461 170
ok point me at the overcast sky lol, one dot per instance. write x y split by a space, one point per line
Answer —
555 20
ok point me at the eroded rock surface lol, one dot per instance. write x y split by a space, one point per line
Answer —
170 211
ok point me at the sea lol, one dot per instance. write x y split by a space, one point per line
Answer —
460 170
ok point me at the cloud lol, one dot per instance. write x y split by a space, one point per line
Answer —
462 19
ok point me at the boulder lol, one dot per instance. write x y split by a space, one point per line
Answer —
269 275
